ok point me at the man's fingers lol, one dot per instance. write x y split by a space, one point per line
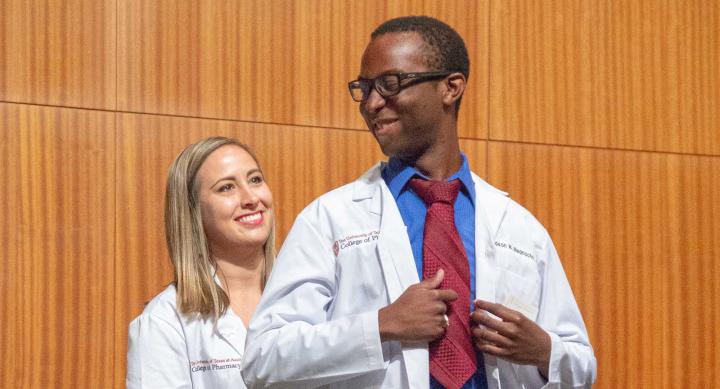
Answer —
447 295
476 316
488 306
441 308
499 310
489 336
434 281
491 349
483 319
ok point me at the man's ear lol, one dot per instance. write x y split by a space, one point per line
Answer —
454 88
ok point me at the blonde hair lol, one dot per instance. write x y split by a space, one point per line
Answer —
194 267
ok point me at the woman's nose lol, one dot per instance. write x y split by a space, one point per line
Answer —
248 197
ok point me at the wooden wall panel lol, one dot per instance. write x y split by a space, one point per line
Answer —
636 230
57 204
282 62
58 52
631 74
637 234
476 153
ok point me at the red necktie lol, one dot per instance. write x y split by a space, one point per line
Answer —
452 357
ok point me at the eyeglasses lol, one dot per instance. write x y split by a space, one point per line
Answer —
389 84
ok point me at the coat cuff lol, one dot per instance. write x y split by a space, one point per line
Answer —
557 353
371 339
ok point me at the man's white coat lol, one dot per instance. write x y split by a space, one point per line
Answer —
348 255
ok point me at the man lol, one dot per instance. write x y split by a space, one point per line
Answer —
345 305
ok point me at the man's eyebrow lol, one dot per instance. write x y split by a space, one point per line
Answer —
391 71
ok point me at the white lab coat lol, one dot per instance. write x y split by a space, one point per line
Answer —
348 255
167 349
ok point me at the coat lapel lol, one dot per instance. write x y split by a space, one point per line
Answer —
490 207
394 250
396 258
232 330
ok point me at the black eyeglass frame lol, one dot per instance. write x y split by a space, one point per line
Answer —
416 76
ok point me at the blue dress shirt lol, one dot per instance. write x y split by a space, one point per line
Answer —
412 209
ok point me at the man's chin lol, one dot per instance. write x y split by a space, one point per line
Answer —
386 149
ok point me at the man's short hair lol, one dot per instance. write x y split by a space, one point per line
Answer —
446 47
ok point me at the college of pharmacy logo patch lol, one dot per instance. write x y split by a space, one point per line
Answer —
207 365
355 240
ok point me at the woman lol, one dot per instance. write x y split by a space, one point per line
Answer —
219 227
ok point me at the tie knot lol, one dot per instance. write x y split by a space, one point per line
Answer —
436 191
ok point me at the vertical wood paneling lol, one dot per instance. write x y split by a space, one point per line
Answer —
476 153
636 230
631 74
57 203
636 233
282 62
58 52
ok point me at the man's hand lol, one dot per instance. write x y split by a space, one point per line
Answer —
514 338
418 314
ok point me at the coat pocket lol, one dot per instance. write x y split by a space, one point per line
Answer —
519 292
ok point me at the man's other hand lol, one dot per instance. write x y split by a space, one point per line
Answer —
513 337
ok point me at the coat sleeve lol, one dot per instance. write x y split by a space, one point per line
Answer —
293 341
572 361
157 356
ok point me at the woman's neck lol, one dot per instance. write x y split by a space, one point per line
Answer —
242 277
240 271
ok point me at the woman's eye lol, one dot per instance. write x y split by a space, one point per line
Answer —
225 187
256 179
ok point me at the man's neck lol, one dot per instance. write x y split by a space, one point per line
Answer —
440 161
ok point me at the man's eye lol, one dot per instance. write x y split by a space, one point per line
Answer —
389 82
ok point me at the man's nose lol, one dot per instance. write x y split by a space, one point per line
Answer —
374 101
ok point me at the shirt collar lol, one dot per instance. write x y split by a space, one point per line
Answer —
397 174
